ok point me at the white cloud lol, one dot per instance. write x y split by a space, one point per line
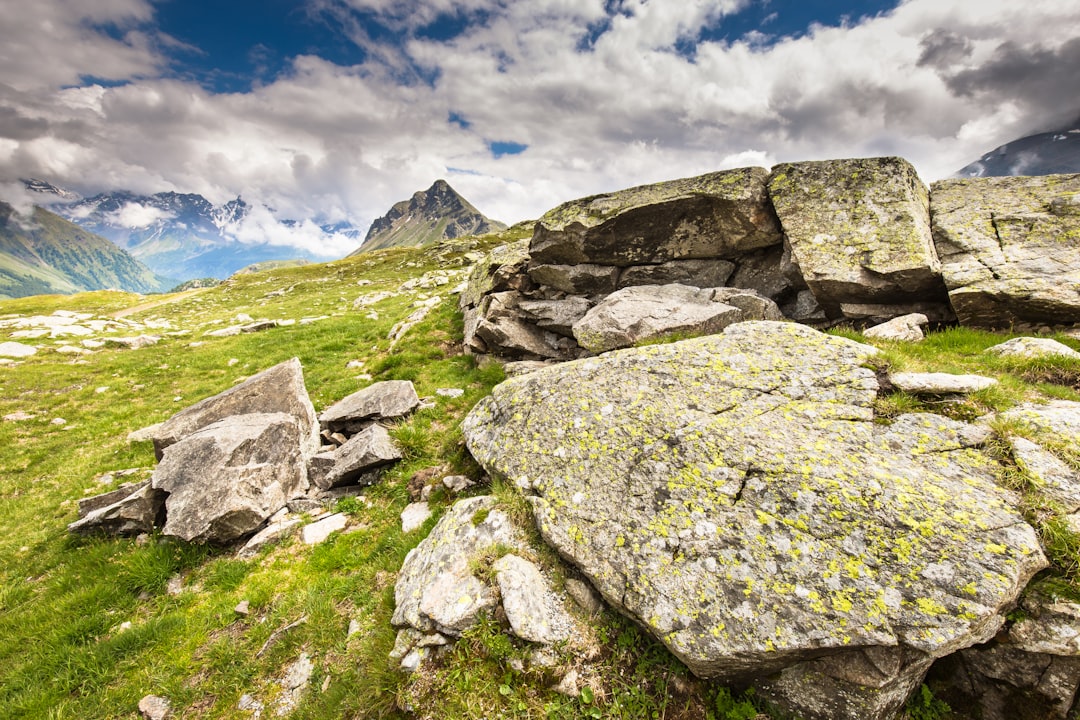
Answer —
133 215
261 227
601 102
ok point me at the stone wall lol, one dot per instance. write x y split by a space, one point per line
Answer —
842 241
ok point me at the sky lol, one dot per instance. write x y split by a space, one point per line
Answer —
330 111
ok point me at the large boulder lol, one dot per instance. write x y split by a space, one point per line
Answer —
386 400
719 215
734 495
642 312
225 480
277 390
1010 248
859 230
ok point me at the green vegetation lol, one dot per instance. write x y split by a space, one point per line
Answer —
89 626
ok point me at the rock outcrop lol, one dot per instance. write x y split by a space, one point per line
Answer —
734 496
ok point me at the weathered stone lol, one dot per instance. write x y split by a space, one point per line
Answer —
1009 253
366 451
1029 347
436 589
457 483
768 272
863 313
555 315
319 468
272 533
696 273
154 707
1053 477
277 390
859 230
414 516
720 215
227 478
387 400
733 495
805 309
642 312
96 502
318 531
907 328
1060 419
583 594
139 510
506 335
532 609
580 279
16 350
136 342
501 269
939 383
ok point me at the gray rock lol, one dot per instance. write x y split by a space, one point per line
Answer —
96 502
143 434
1053 477
555 315
768 272
318 531
580 279
720 215
272 533
367 451
414 516
583 594
642 312
457 483
320 466
277 390
387 400
243 608
436 590
733 495
138 510
531 608
1029 347
907 328
506 335
859 230
940 383
1005 249
500 270
696 273
875 313
136 342
1058 418
227 478
16 350
154 707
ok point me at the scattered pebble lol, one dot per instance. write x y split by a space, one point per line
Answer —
243 608
154 707
58 421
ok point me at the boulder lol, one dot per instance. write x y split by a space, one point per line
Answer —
501 269
96 502
227 478
906 328
582 279
366 451
534 612
939 383
719 215
1009 248
514 336
557 316
437 590
136 510
734 495
698 273
277 390
643 312
859 230
1029 347
386 400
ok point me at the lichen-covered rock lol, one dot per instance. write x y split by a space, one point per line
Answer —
1059 419
277 390
939 383
859 230
501 269
642 312
580 279
1010 248
226 479
733 494
719 215
555 315
534 612
437 590
1053 477
386 400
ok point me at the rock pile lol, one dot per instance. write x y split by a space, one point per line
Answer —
860 241
233 461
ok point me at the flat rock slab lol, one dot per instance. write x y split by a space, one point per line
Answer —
1010 248
226 479
279 389
719 215
318 531
859 229
1053 477
940 383
734 495
387 400
1029 347
16 350
414 516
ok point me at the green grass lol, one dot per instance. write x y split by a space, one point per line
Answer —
66 649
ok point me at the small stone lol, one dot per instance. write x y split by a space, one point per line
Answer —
248 702
16 350
450 392
142 540
175 586
412 661
414 516
243 608
58 421
584 595
1029 347
457 483
126 625
18 416
354 364
154 707
568 686
233 361
908 328
319 531
102 389
940 383
354 627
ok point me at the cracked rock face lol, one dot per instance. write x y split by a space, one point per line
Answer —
733 494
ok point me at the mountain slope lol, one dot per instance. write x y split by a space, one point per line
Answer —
438 213
47 254
1045 153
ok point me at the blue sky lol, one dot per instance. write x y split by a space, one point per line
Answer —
332 110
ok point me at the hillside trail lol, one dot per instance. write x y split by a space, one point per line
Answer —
177 297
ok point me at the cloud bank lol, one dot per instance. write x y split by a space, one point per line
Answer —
601 95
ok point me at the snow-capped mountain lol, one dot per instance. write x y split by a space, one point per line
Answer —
182 235
1048 153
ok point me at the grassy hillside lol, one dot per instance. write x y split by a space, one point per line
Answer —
47 254
89 626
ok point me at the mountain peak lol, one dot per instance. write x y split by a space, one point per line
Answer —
437 213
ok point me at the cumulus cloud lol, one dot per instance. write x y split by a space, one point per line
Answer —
261 227
604 94
134 215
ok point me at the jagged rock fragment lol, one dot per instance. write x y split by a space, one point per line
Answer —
386 400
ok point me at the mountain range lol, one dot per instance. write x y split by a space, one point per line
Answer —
1046 153
45 254
438 213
